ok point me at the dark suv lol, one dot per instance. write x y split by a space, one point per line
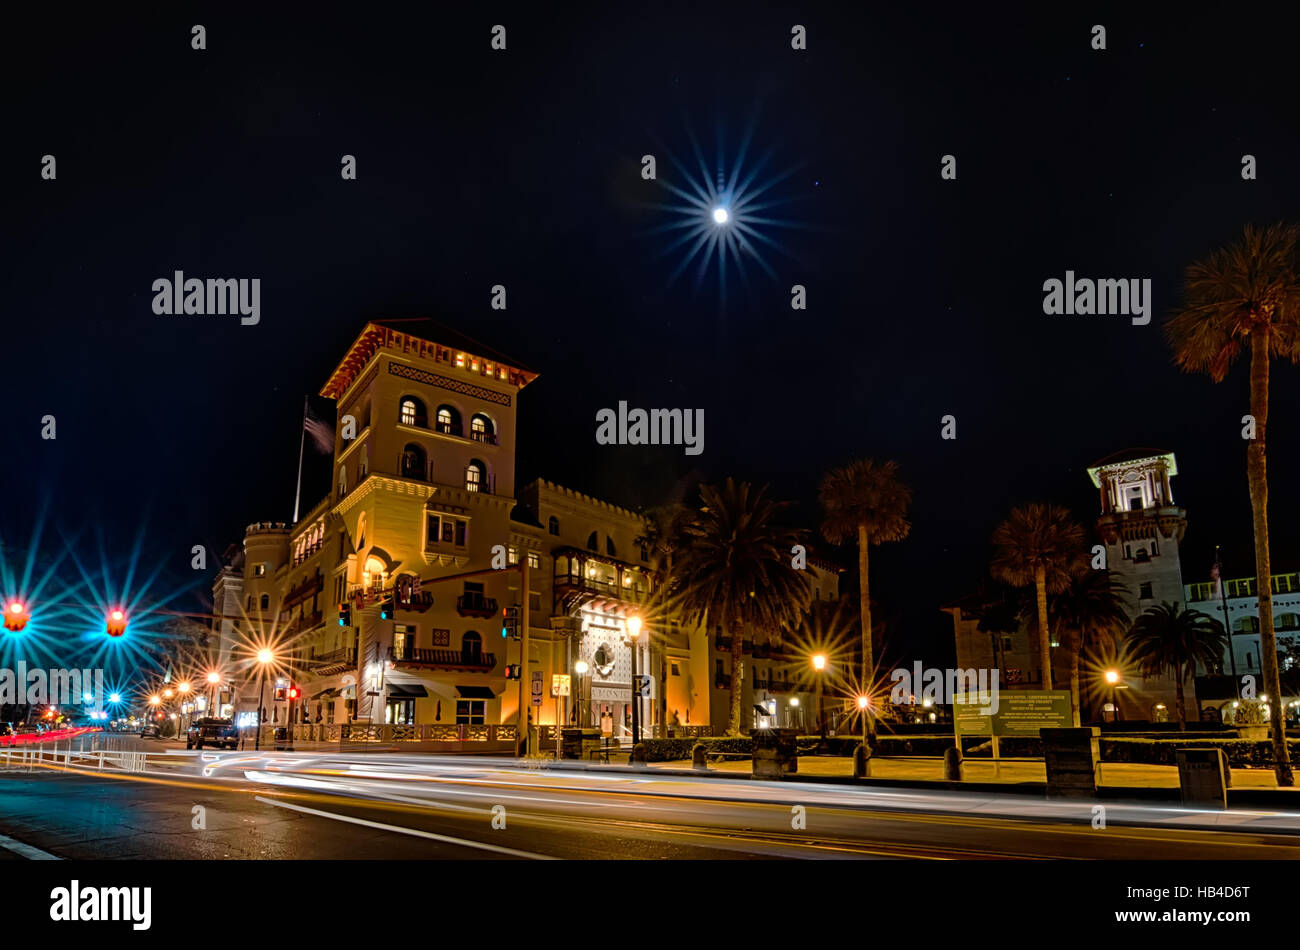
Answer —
213 732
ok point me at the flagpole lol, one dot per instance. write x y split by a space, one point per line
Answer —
302 443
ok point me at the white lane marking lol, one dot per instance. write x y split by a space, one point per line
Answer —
406 831
26 850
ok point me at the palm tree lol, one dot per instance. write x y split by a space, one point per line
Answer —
1040 545
737 570
865 501
1092 607
661 543
1169 637
1247 294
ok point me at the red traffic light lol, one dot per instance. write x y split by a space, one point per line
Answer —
294 693
16 615
116 624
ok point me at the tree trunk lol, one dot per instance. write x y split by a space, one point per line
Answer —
1257 475
868 656
1178 692
1075 702
737 651
662 702
1044 636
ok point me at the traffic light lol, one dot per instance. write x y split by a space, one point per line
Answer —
514 671
345 615
116 623
16 615
509 622
294 694
386 606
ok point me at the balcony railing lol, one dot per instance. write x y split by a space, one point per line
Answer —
476 605
472 661
347 657
481 735
411 468
722 681
488 438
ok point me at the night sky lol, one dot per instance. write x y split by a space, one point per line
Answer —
478 167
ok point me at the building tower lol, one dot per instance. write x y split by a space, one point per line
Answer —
1141 529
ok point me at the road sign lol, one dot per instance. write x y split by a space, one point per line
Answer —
643 685
536 680
560 684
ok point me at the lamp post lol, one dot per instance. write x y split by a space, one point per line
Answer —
819 665
634 635
184 689
794 704
214 685
264 659
581 669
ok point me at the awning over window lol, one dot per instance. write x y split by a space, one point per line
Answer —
406 691
475 692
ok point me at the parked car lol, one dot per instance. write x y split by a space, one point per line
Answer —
150 730
213 732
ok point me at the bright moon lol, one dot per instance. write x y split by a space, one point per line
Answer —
720 215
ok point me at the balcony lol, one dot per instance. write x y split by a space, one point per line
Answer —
333 661
487 438
582 577
300 592
466 661
722 681
476 605
414 468
450 428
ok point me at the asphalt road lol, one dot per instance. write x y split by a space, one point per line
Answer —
358 806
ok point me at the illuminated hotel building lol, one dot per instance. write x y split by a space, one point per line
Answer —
424 515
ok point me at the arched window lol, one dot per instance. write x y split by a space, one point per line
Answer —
471 647
250 602
413 462
412 412
553 525
609 547
448 420
343 481
475 475
481 429
266 601
592 543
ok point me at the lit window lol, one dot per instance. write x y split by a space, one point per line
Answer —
259 570
533 560
512 555
408 412
474 476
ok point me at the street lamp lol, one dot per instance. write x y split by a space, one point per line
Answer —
819 665
794 704
581 669
634 638
264 658
863 703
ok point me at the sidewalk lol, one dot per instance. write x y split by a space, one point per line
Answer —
1118 774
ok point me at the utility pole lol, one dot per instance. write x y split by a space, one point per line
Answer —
525 675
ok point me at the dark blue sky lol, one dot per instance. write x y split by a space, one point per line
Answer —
521 168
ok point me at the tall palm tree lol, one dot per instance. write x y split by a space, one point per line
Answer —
737 570
1171 638
1247 294
865 501
1040 545
1092 607
661 544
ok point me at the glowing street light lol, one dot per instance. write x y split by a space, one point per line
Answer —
720 216
634 639
265 657
155 701
819 662
1112 677
214 678
16 616
114 697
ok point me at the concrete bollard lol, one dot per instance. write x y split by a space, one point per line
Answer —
952 765
638 755
699 761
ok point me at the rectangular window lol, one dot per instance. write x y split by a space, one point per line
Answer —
470 712
403 641
676 670
259 570
1144 591
434 529
512 555
460 534
534 601
533 560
